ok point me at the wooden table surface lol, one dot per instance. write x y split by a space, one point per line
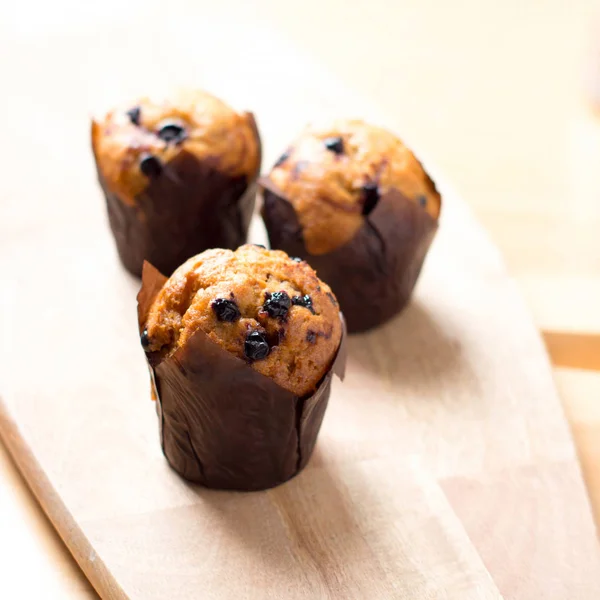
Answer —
495 94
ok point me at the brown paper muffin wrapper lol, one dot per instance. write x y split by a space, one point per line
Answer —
373 275
223 424
189 208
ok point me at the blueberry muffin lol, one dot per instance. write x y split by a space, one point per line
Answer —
259 305
354 201
178 175
241 347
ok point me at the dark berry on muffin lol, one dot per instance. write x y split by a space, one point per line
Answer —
277 304
134 115
304 301
172 132
150 166
335 144
144 340
282 159
256 346
226 310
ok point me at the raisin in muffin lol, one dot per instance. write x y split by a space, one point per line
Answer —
355 202
177 174
259 305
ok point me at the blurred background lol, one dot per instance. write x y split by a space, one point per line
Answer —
501 98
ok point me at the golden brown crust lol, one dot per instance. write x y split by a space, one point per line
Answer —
326 187
213 132
302 344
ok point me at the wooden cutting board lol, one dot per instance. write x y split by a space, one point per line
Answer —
445 468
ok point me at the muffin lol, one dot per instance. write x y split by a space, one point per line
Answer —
178 175
241 347
353 201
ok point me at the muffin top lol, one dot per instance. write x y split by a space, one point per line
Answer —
334 176
132 143
261 305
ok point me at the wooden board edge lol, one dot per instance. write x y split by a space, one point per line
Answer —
63 522
573 350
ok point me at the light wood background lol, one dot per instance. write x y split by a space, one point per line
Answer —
493 92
